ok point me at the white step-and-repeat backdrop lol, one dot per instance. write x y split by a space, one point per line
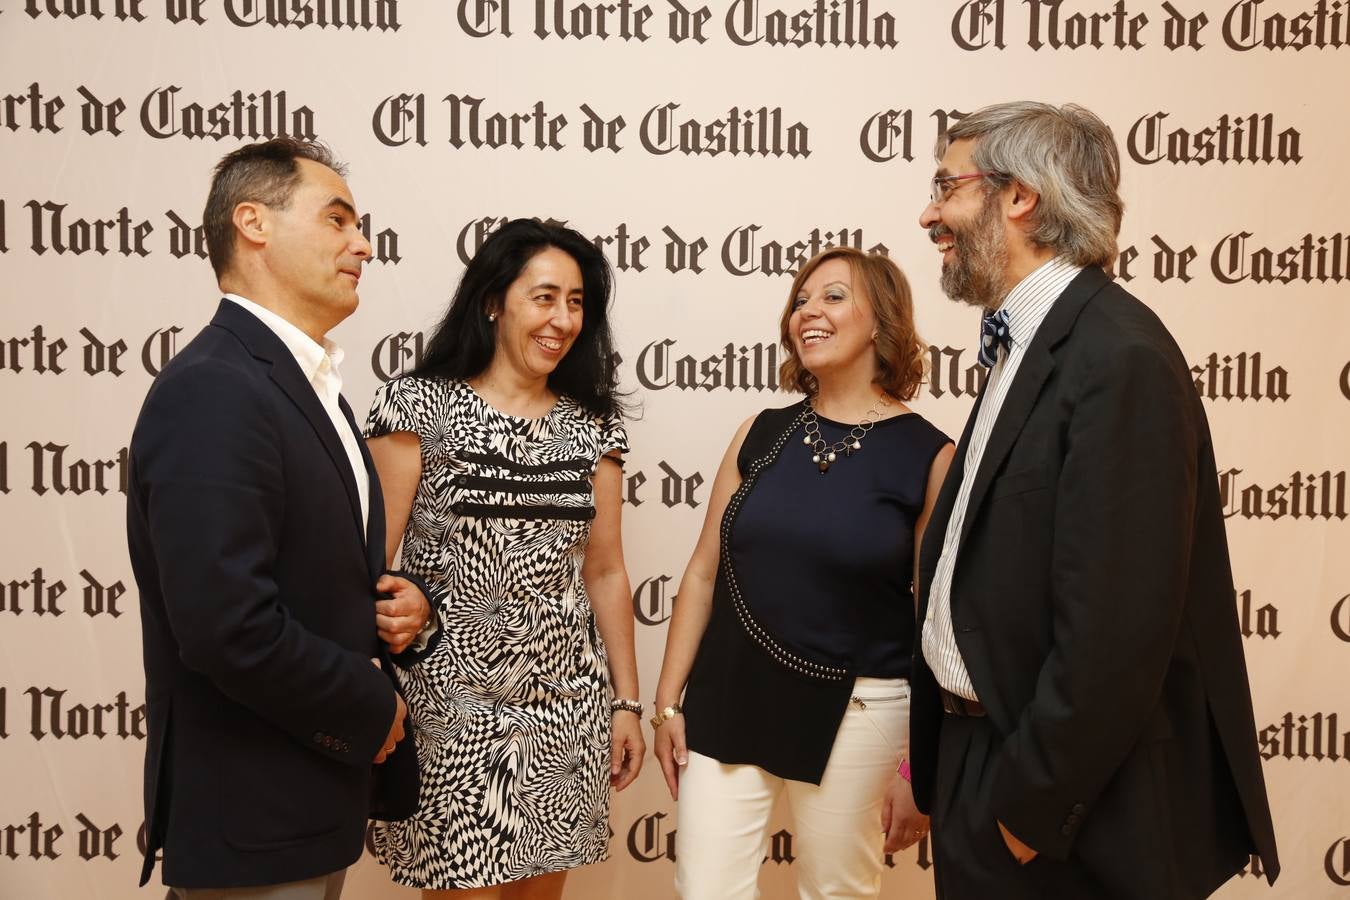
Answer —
710 149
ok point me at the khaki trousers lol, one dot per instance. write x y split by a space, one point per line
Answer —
325 887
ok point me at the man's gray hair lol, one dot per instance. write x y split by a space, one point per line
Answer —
1068 156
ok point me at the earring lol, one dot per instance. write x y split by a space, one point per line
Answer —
492 317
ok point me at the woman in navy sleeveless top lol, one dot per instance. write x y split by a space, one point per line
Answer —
793 633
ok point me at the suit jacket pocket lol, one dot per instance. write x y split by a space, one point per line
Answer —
294 840
1019 482
277 796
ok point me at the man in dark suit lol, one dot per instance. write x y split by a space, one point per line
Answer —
256 531
1081 723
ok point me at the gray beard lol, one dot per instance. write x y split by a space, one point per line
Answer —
976 276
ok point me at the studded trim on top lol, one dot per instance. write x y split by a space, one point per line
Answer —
757 632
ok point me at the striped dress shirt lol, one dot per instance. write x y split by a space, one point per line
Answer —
1027 306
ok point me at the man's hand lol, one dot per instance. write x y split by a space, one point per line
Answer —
395 731
1019 850
901 820
400 618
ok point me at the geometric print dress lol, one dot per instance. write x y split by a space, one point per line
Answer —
510 712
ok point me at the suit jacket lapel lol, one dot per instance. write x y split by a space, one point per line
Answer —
1031 376
1017 403
285 372
375 526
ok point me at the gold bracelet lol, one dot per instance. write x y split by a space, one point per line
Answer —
662 715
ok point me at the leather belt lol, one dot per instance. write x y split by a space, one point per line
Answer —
954 705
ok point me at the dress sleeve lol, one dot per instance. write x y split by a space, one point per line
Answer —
394 408
613 436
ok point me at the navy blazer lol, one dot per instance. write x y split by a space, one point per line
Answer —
256 581
1092 602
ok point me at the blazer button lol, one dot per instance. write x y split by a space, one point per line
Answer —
1072 820
318 737
1078 809
462 480
1066 831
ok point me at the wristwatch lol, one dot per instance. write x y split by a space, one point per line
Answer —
662 715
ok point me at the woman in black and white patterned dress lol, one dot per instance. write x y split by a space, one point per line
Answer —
500 460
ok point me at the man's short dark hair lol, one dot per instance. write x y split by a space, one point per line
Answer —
264 173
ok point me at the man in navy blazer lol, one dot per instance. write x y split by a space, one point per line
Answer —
256 532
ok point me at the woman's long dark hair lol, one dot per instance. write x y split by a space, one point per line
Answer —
463 343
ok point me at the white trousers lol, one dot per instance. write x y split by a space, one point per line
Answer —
723 813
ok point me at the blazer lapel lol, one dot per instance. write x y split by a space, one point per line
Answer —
1031 376
285 372
375 524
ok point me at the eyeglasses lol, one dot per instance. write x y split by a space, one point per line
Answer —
945 185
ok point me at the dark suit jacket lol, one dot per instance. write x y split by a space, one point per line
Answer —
256 584
1092 602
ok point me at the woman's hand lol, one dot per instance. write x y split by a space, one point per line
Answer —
671 752
626 748
900 818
